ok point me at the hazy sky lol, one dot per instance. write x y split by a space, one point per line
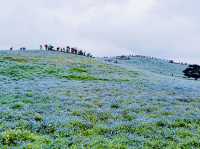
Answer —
161 28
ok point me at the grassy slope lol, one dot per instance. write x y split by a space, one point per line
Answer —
55 100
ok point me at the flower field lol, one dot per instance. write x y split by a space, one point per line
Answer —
58 100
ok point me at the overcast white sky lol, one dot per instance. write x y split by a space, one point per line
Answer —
161 28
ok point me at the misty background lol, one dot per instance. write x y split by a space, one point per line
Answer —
161 28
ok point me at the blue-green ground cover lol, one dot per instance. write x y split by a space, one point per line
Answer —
57 100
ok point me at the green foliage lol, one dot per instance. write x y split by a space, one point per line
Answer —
115 106
181 124
54 112
46 128
78 70
127 116
27 101
14 59
167 113
184 133
17 105
80 126
29 94
27 71
38 117
193 71
83 78
17 137
76 113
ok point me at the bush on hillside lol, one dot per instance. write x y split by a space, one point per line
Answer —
193 71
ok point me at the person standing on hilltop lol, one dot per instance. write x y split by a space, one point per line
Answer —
41 47
46 47
11 48
68 49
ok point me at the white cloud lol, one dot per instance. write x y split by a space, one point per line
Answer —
160 28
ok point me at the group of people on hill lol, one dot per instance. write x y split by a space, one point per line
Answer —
67 49
21 49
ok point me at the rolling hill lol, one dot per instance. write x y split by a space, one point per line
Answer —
58 100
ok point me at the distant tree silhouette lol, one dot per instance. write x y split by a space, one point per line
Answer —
193 71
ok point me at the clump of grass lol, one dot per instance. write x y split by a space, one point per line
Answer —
157 144
167 113
95 117
16 137
101 142
83 78
115 106
191 142
90 116
15 59
29 94
17 106
80 126
104 116
145 130
47 128
26 71
27 101
12 137
181 124
19 71
98 103
76 113
161 124
78 70
182 133
150 109
125 128
38 117
153 115
98 130
127 116
53 71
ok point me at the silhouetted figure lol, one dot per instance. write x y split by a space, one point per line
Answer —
46 47
88 55
68 49
50 47
80 52
11 48
62 49
22 48
41 47
74 50
58 48
115 61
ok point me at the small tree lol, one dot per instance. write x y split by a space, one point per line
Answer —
193 71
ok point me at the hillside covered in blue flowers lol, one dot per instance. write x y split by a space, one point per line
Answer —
57 100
